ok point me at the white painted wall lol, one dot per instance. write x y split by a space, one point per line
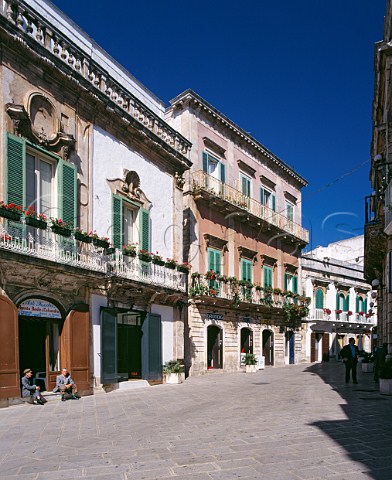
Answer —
96 302
166 314
110 158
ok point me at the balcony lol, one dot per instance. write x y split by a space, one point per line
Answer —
340 321
232 200
18 238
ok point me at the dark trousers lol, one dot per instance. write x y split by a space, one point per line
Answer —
351 365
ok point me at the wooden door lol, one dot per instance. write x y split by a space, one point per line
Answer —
325 346
9 351
75 348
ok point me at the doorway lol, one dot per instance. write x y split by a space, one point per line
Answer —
246 340
214 347
268 347
290 347
39 349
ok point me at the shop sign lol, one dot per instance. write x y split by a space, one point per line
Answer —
34 307
215 316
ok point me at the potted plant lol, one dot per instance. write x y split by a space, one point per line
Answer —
11 211
157 259
60 227
82 235
250 363
385 376
98 241
184 267
367 362
210 275
171 263
34 219
173 371
129 250
145 256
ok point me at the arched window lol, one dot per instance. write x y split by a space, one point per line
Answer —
341 302
359 305
319 298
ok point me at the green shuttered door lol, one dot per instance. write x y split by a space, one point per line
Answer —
68 213
117 234
16 157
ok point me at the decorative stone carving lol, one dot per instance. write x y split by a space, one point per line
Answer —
180 181
131 184
129 187
39 123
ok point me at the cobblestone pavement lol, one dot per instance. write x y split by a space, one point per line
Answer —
297 422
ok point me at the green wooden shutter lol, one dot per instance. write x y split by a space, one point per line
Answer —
117 234
144 229
337 301
357 301
273 197
246 270
286 281
347 303
243 181
365 306
267 276
16 160
108 345
67 192
262 197
205 162
319 298
222 173
295 284
214 260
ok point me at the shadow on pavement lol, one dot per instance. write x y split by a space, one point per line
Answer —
366 435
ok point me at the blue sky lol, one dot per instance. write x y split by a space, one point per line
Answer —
297 75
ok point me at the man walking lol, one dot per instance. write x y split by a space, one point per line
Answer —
349 355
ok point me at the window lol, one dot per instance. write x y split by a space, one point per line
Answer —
246 270
289 211
40 179
319 298
214 167
291 282
361 304
214 263
267 277
342 302
245 184
267 198
130 224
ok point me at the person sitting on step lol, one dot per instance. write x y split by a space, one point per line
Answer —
31 392
65 384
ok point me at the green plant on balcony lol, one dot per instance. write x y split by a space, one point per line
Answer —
99 241
259 288
60 227
11 211
198 290
184 267
35 219
211 275
145 255
82 235
130 250
157 259
171 263
222 278
232 280
245 283
196 275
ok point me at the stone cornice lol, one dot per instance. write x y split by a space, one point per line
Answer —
189 97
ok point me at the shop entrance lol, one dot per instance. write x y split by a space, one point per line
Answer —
39 349
129 345
214 347
246 340
268 347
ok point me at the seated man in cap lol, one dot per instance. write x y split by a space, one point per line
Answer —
31 392
65 384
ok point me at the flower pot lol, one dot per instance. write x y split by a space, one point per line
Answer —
82 238
250 368
158 262
100 243
36 223
10 214
367 367
129 253
65 232
183 269
385 386
144 258
173 378
170 265
110 251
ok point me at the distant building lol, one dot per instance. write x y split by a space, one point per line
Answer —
243 236
341 305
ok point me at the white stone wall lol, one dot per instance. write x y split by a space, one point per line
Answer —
96 302
110 158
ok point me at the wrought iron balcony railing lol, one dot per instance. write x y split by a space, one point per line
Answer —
19 238
320 314
202 182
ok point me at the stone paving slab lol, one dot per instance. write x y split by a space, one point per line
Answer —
299 422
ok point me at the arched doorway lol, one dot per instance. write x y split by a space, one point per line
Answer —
214 347
268 347
246 340
40 325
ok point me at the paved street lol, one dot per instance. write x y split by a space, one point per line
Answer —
298 422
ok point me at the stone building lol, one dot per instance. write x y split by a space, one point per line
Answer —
341 301
85 143
378 205
243 237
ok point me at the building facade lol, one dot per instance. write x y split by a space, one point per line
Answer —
243 237
84 146
378 205
341 300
